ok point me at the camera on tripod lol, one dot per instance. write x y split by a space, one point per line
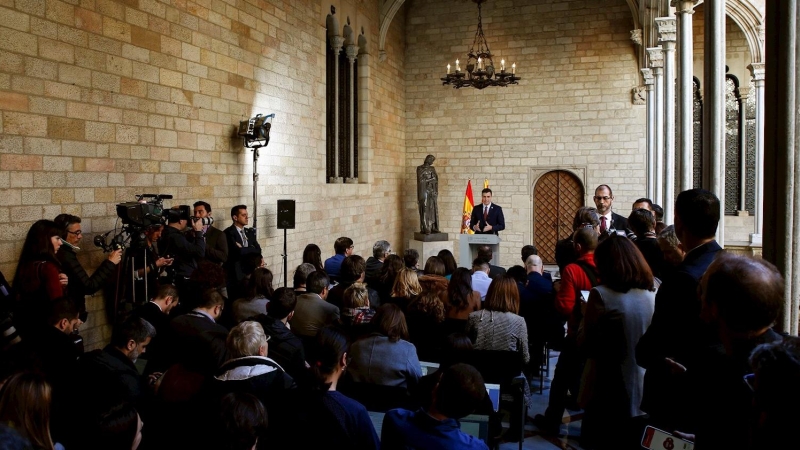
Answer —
145 212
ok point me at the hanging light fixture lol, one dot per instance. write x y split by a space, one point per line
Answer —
481 72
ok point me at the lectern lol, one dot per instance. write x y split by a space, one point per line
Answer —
468 248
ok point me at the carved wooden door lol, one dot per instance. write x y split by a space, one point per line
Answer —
556 197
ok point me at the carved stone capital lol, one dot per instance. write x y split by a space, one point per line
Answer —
667 31
744 92
336 44
639 95
757 70
382 56
649 79
656 56
684 6
352 53
636 36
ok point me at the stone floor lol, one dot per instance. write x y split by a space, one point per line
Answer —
570 430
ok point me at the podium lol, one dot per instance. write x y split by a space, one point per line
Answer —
468 248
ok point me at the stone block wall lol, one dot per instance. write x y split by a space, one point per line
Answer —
572 108
101 100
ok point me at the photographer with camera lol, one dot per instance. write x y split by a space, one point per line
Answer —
216 242
150 267
186 249
81 284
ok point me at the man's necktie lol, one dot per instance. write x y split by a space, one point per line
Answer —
485 213
244 238
602 224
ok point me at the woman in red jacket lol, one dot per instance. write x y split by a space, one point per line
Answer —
38 280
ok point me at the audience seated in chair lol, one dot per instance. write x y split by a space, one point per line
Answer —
336 420
458 393
385 357
259 293
241 424
356 314
285 348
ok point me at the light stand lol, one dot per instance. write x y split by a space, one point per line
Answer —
255 134
286 216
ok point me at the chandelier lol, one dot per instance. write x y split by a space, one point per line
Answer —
480 66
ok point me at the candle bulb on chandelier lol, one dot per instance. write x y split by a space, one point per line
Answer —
479 63
458 67
448 69
513 68
502 65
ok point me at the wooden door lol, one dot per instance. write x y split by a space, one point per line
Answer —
556 197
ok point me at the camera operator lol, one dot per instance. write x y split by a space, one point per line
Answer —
186 249
81 284
216 243
150 267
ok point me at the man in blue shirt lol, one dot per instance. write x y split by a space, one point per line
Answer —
343 248
459 392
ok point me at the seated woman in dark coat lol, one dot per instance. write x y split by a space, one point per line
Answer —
331 419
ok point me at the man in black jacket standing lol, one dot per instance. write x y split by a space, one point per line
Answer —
185 249
80 283
216 242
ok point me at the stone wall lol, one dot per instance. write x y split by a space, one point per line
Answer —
572 108
102 100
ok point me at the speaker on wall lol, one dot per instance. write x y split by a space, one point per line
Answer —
285 214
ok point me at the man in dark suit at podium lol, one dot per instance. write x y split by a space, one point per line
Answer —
487 218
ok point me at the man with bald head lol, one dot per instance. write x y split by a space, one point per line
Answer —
741 300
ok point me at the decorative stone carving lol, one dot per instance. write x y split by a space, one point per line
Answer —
684 6
649 79
352 53
636 36
656 56
639 95
336 44
667 31
757 70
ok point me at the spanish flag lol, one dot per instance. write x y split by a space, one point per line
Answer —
468 205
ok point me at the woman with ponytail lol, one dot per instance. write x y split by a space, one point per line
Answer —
334 420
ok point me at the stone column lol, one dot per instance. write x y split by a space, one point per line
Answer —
352 53
780 174
649 81
666 36
684 10
757 70
656 56
743 93
336 46
714 105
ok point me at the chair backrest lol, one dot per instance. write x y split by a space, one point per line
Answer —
496 366
376 397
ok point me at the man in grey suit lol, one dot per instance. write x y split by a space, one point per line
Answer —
216 243
312 311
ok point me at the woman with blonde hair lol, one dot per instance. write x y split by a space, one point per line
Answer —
406 288
25 406
357 313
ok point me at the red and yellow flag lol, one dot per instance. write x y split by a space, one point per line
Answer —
468 205
485 183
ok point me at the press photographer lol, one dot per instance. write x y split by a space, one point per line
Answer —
185 248
80 283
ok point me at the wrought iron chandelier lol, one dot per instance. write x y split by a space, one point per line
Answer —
480 66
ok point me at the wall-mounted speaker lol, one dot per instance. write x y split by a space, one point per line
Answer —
285 214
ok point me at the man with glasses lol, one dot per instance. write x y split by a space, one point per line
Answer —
216 242
81 284
610 222
343 247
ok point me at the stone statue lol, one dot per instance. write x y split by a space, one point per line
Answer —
427 196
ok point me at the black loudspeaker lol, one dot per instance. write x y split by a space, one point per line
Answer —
285 214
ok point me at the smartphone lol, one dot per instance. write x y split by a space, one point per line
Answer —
655 439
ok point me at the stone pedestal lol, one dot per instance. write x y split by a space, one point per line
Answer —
429 248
